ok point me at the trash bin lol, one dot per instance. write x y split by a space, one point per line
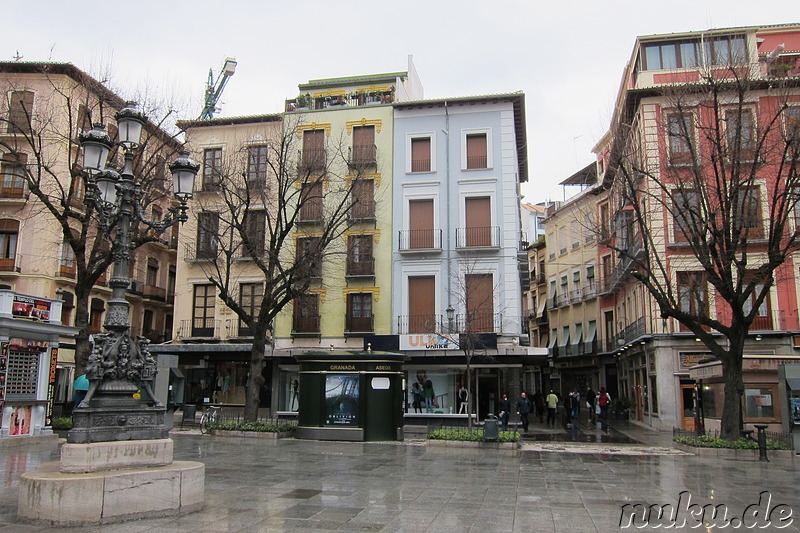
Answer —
490 428
189 413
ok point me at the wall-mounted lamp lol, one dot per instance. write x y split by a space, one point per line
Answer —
758 337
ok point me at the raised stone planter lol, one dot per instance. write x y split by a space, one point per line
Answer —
727 453
252 434
48 495
472 444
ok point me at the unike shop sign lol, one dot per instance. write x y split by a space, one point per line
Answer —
425 341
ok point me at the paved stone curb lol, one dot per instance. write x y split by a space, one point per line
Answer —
472 444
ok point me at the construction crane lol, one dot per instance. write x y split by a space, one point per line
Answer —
214 89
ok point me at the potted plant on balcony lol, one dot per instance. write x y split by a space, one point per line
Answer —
621 408
303 101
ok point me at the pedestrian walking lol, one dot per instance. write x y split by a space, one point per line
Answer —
575 398
590 398
505 411
552 404
523 409
538 404
603 400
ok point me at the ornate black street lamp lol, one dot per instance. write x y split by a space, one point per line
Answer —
119 365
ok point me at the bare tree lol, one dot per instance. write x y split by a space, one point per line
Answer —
277 214
42 151
472 315
727 185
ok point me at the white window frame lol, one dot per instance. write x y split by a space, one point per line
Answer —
421 135
476 131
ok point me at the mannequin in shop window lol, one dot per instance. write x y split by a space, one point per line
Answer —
463 399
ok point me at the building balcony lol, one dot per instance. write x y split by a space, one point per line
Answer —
308 326
426 324
9 264
361 157
199 328
235 328
363 268
306 102
200 253
12 193
311 160
310 213
479 322
67 271
154 293
479 237
359 325
420 240
361 210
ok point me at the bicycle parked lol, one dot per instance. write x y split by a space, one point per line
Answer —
210 415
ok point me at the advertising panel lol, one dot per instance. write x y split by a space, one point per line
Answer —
30 308
341 399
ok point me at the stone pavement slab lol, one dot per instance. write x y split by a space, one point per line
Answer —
255 485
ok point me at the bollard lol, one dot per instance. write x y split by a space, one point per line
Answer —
762 442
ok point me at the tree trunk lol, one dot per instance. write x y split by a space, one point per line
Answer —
469 393
731 407
82 347
255 380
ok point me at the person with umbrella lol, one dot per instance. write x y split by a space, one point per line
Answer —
79 389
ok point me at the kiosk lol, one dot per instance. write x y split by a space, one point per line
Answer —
350 396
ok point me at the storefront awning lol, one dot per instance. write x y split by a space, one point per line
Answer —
552 342
540 310
793 384
590 335
564 340
578 334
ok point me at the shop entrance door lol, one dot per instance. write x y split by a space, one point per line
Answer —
687 407
488 389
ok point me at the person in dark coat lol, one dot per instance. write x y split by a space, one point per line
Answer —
590 397
505 411
538 404
523 409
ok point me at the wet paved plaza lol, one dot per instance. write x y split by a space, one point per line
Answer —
254 485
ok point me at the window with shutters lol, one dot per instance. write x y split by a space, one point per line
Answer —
207 231
359 313
254 226
309 256
257 165
151 278
363 194
311 202
12 168
203 309
421 306
364 152
312 158
359 256
250 296
476 151
420 151
212 168
306 317
9 230
20 112
680 137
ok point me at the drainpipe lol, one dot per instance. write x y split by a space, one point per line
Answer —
447 203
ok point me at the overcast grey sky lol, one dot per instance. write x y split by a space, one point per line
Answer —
567 56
